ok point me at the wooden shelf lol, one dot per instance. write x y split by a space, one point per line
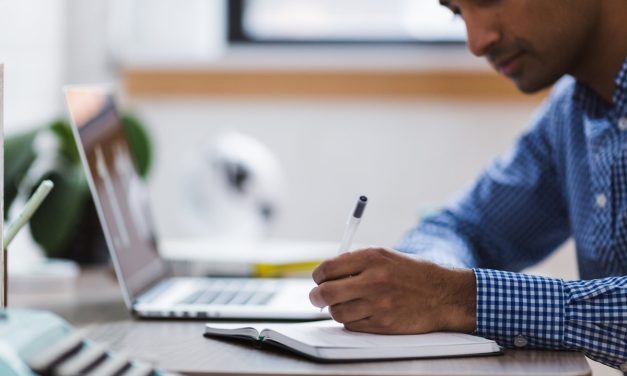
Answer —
470 85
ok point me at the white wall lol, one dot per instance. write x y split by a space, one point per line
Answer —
88 53
407 156
32 46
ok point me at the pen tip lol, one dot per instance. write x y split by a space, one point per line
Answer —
359 208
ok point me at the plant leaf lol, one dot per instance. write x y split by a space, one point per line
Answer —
54 225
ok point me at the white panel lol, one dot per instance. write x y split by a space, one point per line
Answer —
351 19
407 156
26 23
32 47
398 153
88 59
166 31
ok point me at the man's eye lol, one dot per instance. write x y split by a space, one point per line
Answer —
457 12
454 9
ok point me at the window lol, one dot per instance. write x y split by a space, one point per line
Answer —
343 21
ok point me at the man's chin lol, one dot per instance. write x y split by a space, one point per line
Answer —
531 86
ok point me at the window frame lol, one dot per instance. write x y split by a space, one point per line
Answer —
236 34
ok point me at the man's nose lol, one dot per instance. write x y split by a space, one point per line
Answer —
483 34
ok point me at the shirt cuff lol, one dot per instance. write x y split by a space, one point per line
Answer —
518 310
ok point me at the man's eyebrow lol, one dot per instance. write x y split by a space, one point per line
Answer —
445 3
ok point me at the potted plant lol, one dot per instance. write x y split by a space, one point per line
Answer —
66 225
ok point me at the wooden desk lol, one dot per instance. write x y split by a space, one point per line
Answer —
179 346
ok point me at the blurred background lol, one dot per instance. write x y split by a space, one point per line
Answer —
314 101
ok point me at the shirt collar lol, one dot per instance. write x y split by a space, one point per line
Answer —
590 101
620 95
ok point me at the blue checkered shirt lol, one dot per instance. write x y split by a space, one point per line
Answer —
565 177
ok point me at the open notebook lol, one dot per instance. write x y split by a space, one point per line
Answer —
329 341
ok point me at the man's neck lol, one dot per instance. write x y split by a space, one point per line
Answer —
606 52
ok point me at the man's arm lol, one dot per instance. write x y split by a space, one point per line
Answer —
382 291
513 216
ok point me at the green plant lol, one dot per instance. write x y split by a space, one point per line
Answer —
66 225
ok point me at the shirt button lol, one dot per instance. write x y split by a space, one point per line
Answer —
622 124
601 200
520 341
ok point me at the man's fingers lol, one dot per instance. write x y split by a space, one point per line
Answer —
378 324
353 310
365 325
338 291
344 265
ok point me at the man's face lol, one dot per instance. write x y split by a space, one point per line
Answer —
532 42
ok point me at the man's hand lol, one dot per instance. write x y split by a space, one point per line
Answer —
377 290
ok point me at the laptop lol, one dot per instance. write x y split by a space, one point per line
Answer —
121 200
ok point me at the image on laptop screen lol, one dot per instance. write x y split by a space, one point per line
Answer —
119 193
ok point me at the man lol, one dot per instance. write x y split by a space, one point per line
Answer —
566 176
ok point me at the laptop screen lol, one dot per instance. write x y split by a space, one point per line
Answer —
119 193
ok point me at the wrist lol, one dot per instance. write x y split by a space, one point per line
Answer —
460 303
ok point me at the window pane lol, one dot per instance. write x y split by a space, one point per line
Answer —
359 20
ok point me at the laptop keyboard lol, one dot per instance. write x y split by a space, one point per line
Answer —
233 292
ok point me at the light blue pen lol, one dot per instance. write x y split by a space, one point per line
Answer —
30 208
354 218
